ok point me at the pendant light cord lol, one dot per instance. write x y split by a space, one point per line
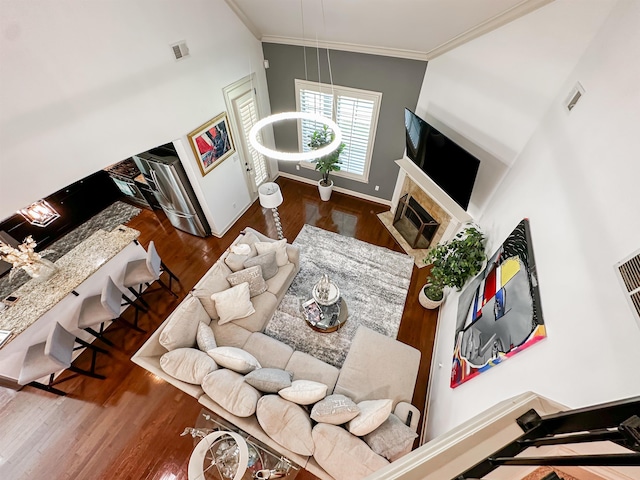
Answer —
304 44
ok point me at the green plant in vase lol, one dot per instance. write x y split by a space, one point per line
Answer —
327 164
454 262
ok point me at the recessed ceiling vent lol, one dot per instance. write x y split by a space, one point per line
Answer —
575 95
180 50
629 273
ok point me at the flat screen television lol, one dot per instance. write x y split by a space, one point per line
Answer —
449 165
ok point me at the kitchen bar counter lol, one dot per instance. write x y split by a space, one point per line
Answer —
35 298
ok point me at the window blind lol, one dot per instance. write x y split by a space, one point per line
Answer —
248 118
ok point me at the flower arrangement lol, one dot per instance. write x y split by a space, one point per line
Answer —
24 256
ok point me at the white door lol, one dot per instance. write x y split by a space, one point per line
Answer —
243 108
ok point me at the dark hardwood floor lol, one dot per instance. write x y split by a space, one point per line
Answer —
128 426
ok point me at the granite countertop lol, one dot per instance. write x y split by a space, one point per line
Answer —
36 297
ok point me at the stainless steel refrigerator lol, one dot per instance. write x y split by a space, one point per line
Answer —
165 175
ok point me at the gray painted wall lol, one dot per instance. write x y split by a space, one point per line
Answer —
398 79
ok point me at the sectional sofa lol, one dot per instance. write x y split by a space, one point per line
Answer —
379 373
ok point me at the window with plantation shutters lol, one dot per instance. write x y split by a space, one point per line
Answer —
248 118
356 113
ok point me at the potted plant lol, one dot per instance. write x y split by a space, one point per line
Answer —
454 262
328 163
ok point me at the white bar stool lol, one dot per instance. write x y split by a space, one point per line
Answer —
98 309
52 356
146 271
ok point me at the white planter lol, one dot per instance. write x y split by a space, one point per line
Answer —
427 302
325 192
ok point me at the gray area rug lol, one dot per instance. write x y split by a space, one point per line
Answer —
373 281
115 214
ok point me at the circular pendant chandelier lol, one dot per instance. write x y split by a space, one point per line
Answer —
295 156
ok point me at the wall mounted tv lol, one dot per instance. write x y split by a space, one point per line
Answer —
449 165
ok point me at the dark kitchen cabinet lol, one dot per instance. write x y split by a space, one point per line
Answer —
75 203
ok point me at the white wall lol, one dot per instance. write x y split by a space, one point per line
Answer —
576 180
87 84
490 94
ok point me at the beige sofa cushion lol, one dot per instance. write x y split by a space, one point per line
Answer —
391 374
180 331
229 334
229 390
342 455
306 367
286 423
281 279
373 413
270 352
187 364
214 281
264 305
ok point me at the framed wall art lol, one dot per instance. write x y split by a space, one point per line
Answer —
499 313
212 143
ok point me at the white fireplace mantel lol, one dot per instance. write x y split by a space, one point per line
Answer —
457 213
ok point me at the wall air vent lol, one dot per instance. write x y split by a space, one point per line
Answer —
629 274
180 50
576 94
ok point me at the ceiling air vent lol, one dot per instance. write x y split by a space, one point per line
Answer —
576 94
180 50
629 274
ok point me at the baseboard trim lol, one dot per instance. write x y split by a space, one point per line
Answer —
352 193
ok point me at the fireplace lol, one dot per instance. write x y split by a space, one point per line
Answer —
414 223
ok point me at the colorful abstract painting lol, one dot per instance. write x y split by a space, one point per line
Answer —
499 311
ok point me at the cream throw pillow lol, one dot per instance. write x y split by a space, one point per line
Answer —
187 364
233 303
304 392
229 390
215 280
373 413
279 246
286 423
234 359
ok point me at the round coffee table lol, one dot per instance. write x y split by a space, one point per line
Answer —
334 316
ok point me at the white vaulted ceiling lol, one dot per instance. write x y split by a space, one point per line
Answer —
420 29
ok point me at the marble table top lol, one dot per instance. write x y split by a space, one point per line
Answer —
36 297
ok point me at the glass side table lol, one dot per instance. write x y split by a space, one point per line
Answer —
264 462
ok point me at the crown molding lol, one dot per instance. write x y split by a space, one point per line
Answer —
346 47
513 13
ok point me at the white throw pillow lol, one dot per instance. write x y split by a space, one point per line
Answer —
205 338
279 246
286 423
234 359
182 326
373 413
304 392
233 303
187 364
229 390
